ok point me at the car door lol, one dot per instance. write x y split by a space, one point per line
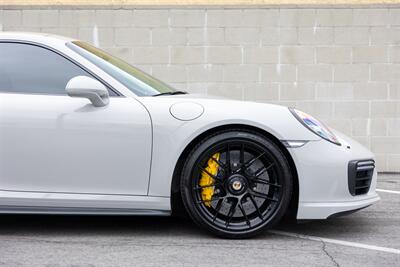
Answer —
50 142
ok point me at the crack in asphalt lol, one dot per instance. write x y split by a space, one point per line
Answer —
335 263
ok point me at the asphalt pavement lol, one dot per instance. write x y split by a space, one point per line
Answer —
370 237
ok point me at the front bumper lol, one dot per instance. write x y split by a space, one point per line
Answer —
322 169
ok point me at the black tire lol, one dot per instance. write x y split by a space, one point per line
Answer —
244 203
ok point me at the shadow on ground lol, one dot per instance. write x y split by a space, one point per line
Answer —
135 225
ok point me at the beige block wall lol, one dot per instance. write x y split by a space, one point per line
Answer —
224 3
340 64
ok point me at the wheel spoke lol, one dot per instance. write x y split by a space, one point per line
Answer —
205 186
262 170
261 195
231 212
242 154
211 200
262 181
249 163
220 164
228 158
252 199
208 173
244 214
218 208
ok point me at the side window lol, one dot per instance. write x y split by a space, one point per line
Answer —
26 68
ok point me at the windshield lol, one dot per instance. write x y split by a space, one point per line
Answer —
139 82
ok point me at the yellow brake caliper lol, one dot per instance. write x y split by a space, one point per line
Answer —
205 180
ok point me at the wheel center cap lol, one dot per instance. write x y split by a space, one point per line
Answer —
237 184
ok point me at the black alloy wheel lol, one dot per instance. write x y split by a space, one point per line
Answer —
251 188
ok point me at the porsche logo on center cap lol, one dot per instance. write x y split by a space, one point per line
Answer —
237 185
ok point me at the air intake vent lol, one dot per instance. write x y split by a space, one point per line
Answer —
360 175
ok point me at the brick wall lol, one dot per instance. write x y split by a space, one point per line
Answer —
342 65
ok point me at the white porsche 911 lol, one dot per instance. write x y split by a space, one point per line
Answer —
83 132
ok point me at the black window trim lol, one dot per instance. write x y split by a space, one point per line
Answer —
73 61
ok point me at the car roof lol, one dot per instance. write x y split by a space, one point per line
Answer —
42 38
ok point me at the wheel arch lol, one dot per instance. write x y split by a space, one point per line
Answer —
176 200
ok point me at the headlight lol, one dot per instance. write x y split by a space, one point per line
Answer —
315 126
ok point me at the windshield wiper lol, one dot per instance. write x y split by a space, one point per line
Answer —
173 93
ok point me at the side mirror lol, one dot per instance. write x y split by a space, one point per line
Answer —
83 86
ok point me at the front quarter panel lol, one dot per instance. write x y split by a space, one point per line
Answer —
171 136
